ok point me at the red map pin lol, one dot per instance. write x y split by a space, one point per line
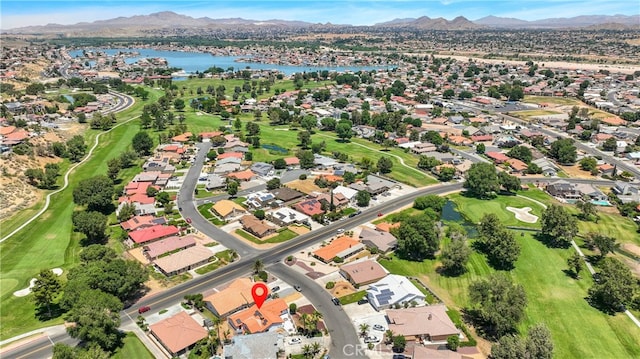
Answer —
259 292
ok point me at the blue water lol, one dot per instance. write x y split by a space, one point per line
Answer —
191 62
275 148
450 213
601 203
69 98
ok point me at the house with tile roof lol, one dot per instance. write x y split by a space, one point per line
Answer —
227 209
167 245
342 247
309 207
178 333
363 272
382 240
151 234
184 260
253 320
428 323
236 296
140 222
258 228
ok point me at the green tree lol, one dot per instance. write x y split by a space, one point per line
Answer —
95 192
92 224
178 104
306 159
76 148
428 162
508 182
509 347
563 151
232 188
363 198
589 164
539 343
163 198
258 266
399 343
482 180
610 144
455 256
587 210
260 214
615 288
558 225
417 238
127 210
97 252
343 130
520 152
142 143
605 244
384 164
480 148
114 166
96 317
502 250
328 123
446 174
575 264
309 123
305 138
498 303
63 351
273 183
453 341
45 289
432 201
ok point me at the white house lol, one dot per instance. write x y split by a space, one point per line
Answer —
391 290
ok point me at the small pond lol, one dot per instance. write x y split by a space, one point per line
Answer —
450 213
69 98
275 148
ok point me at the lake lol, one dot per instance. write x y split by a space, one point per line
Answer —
191 62
450 213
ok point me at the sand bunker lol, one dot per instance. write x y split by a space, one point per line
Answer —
522 214
32 282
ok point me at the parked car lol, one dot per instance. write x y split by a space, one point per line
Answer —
363 301
378 327
371 339
275 289
340 230
335 301
379 214
399 356
298 288
295 341
143 309
188 220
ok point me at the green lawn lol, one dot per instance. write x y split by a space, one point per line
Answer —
474 209
283 236
223 257
352 298
623 229
132 348
578 330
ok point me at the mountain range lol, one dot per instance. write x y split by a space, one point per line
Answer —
169 20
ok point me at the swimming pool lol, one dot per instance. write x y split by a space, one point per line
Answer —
601 203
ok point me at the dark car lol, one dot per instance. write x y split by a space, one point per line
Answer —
298 288
188 220
363 301
335 301
143 309
275 289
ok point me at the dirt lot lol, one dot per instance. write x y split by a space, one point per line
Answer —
305 186
342 288
299 229
575 172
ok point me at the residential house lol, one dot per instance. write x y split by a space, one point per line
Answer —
428 324
184 260
214 182
166 245
387 227
256 227
262 169
269 316
178 333
548 167
286 216
233 160
517 166
226 168
260 199
339 200
420 352
346 192
224 155
140 222
497 157
252 346
342 247
421 148
227 209
310 207
286 194
151 234
393 290
564 189
323 162
383 241
626 192
591 191
236 296
363 272
292 162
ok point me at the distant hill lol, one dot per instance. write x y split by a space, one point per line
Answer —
168 20
558 23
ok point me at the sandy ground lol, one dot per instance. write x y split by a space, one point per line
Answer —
26 291
575 172
523 215
631 248
299 229
305 186
342 288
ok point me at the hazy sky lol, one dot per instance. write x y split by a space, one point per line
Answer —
18 13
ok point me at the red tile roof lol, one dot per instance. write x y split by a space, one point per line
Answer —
138 222
498 157
309 207
153 233
178 332
230 154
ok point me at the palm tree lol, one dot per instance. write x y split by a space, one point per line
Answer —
389 336
304 319
364 329
258 266
315 347
233 254
307 351
313 320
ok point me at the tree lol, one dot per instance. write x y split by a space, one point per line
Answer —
417 238
482 180
63 351
127 210
92 224
96 317
97 252
615 287
399 343
428 162
363 198
305 138
563 151
384 164
558 225
258 266
306 159
279 164
343 130
142 143
114 166
520 152
328 123
163 198
575 264
508 182
76 148
432 201
502 250
605 244
448 93
455 257
178 104
489 225
480 148
259 214
610 144
509 347
128 158
589 164
446 174
453 341
538 343
364 329
273 183
499 303
94 192
309 123
587 210
45 289
232 188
